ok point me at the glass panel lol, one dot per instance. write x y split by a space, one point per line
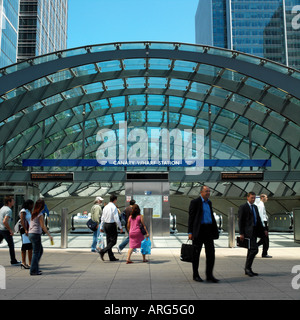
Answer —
108 47
175 102
185 66
156 100
135 82
85 70
115 84
117 101
133 64
157 82
187 120
161 64
155 116
108 66
177 84
137 100
208 70
93 88
192 104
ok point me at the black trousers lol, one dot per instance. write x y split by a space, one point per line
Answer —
206 239
252 252
111 239
5 234
264 241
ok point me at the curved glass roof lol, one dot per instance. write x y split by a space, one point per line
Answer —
52 106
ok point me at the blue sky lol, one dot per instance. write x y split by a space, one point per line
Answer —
102 21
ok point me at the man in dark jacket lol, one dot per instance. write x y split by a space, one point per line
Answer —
251 227
202 229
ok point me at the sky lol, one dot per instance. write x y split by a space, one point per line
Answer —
105 21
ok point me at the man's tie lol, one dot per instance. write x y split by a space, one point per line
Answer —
254 214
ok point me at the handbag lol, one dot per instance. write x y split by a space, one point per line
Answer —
92 225
142 229
187 252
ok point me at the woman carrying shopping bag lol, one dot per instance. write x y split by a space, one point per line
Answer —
135 224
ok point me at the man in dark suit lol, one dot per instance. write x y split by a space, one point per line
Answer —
202 229
251 227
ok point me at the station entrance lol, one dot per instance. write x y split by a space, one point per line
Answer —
151 190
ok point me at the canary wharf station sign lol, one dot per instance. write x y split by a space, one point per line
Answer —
151 147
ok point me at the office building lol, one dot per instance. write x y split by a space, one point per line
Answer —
9 13
31 28
269 29
42 27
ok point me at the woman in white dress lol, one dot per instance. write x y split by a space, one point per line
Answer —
25 215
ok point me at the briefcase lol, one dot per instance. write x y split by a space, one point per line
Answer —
187 252
243 244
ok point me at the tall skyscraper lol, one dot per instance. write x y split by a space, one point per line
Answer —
31 28
269 29
42 27
9 21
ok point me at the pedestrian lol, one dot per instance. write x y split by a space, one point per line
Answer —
251 227
96 213
25 216
109 221
135 234
127 212
36 227
5 230
264 240
202 229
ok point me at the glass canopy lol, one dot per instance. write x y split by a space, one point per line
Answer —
53 106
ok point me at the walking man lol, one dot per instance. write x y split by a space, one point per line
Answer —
109 221
96 212
251 227
202 229
5 230
264 218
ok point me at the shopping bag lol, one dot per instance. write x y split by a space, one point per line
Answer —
187 252
146 246
100 242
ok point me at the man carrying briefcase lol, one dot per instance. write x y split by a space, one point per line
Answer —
202 229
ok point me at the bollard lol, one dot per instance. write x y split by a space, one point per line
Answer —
148 213
64 228
231 228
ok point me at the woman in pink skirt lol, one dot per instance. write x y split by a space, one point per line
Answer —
135 233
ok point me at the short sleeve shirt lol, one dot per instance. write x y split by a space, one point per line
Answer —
5 211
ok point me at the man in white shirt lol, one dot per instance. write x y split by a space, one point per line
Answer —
5 230
109 221
264 218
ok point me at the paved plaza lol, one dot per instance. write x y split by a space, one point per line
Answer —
76 273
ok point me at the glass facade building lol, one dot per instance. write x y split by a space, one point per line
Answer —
269 29
9 13
43 27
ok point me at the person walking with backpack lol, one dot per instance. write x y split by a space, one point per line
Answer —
96 213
